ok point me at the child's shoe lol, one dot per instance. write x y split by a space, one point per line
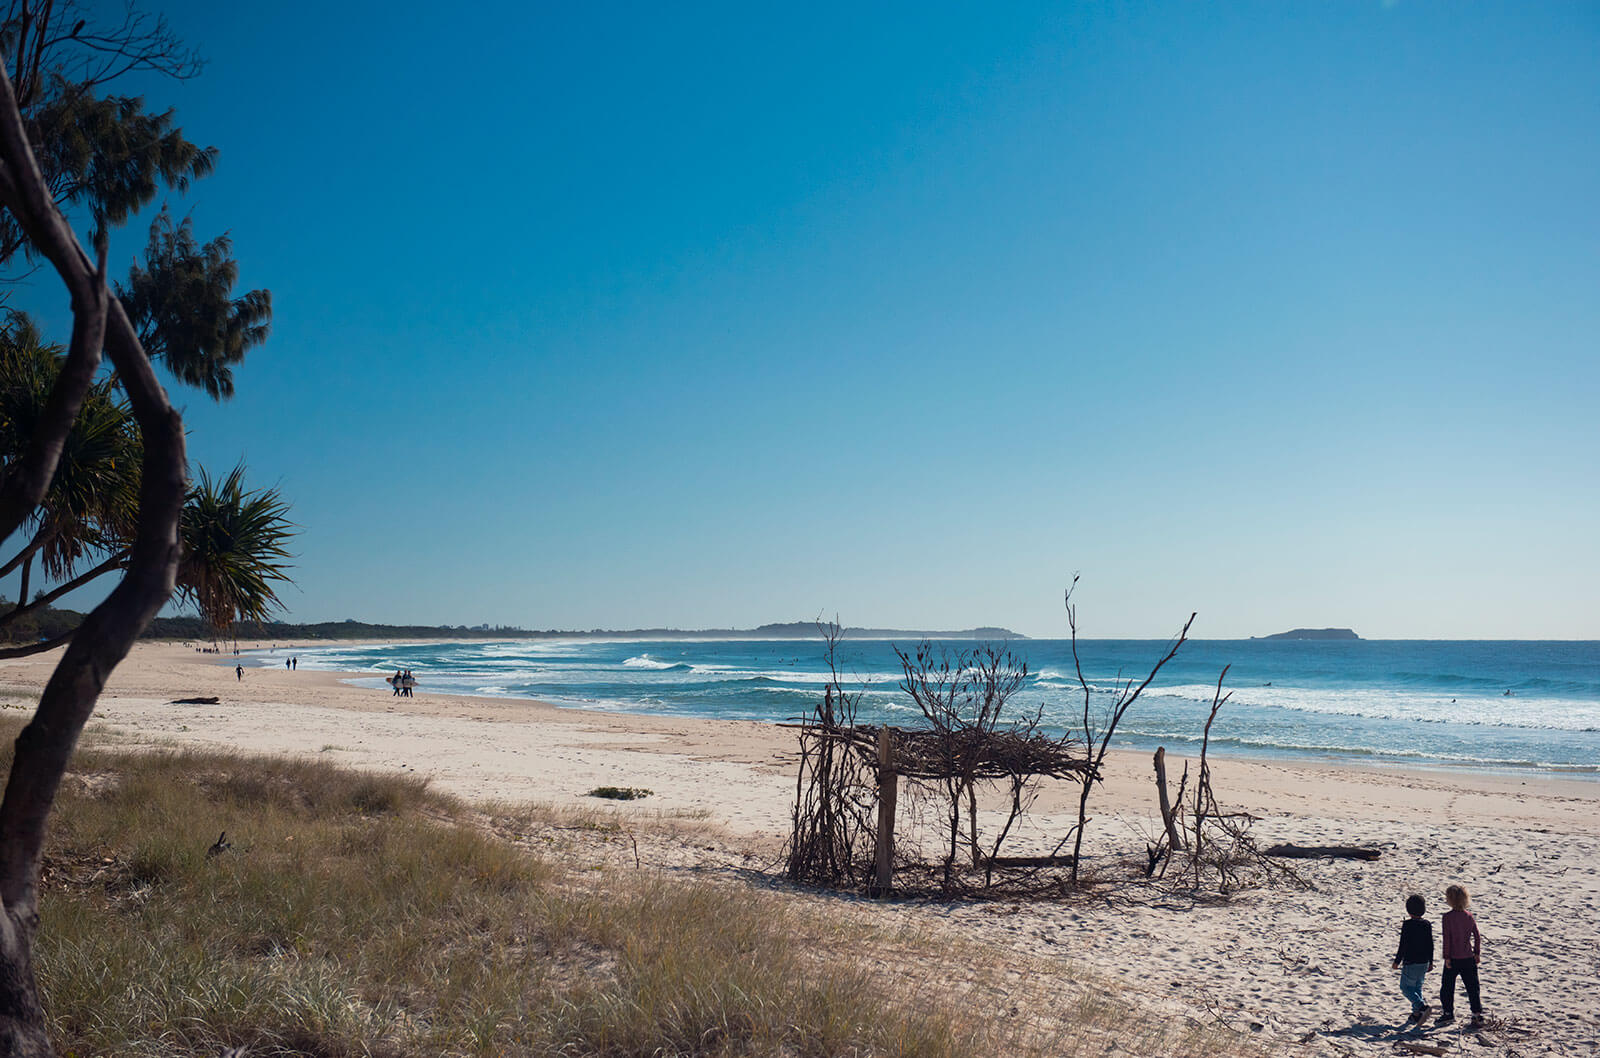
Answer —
1420 1014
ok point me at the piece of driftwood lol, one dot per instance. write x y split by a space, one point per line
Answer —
1423 1048
1174 839
195 701
1030 861
888 795
1322 852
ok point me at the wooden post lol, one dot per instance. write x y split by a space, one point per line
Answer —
888 793
1175 841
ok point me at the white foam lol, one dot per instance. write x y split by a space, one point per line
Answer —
1372 704
645 661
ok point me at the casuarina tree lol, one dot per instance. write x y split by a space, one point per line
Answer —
93 461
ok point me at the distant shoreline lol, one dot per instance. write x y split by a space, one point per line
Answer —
190 629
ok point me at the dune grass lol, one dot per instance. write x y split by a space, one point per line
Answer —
362 914
359 914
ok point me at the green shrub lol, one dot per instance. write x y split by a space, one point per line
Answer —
619 793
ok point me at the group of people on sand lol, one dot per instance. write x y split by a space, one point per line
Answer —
403 682
1461 948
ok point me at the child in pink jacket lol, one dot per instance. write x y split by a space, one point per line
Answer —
1462 947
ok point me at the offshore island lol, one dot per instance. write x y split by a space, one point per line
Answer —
1313 633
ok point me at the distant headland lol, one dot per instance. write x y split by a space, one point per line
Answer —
1313 633
278 631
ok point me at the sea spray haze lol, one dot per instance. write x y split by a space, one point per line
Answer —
1416 702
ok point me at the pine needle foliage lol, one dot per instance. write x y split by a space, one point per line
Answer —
181 301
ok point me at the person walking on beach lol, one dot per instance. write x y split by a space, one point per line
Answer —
238 672
1462 947
1415 956
396 683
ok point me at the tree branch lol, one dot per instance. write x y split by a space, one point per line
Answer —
28 480
116 561
27 650
22 556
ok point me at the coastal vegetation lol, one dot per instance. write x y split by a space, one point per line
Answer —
93 470
619 793
363 914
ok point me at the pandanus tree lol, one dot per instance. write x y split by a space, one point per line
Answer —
93 470
234 540
234 550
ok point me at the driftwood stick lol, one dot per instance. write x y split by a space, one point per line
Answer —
888 794
1174 839
1030 861
1321 852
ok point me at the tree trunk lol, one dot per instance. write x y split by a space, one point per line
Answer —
45 746
21 1017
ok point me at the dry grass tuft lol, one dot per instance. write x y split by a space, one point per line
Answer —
363 914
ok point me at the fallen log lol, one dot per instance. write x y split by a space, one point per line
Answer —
1423 1048
1029 861
195 701
1322 852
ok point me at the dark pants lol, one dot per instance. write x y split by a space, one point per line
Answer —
1467 970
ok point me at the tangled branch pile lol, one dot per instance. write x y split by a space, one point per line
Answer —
935 756
848 770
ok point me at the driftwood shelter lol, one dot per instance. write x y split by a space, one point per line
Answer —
848 790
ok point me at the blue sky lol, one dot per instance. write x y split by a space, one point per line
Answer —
634 315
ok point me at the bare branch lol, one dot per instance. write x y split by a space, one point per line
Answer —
115 562
44 645
1100 743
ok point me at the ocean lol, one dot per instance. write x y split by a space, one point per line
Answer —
1415 703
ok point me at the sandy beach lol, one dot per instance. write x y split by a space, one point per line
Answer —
1303 970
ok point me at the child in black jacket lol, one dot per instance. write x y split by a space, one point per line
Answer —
1415 956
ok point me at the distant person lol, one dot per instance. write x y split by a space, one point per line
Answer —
238 672
1414 958
295 663
286 663
1461 948
396 683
